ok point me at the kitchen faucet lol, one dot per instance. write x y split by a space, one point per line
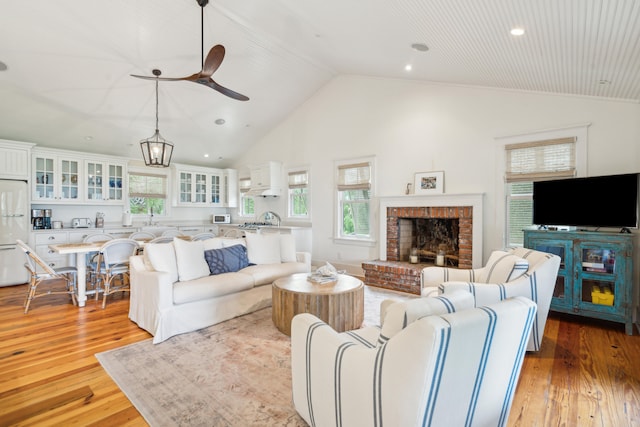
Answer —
151 216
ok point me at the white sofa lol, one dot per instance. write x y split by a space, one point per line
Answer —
174 290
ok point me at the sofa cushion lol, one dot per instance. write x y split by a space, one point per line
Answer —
162 257
190 259
211 287
287 248
265 274
213 243
503 267
226 260
263 248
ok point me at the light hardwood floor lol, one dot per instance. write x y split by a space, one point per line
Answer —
587 374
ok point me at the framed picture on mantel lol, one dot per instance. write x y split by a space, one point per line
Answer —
429 183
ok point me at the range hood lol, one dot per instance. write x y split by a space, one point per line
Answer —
266 180
264 192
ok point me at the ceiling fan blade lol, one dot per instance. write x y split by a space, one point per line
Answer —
213 61
172 79
223 90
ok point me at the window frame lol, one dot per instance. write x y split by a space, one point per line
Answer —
579 132
167 196
244 185
296 185
370 238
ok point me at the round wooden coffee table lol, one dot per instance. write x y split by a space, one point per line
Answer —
339 304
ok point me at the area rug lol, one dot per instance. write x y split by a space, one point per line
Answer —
236 373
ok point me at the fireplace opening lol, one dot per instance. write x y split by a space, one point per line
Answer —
429 240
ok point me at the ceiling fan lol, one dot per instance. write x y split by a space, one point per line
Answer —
209 65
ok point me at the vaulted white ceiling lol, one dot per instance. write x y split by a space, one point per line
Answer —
68 85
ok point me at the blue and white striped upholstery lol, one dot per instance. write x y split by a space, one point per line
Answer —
501 267
444 370
536 284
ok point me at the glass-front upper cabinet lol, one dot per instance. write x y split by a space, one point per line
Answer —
55 178
104 182
215 188
192 188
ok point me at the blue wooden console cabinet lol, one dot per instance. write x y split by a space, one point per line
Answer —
596 273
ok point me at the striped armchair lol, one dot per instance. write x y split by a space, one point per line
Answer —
536 283
452 369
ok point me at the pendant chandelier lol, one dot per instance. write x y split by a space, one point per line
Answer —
156 150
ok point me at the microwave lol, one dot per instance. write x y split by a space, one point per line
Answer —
221 219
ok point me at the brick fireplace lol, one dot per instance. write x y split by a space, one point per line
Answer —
454 221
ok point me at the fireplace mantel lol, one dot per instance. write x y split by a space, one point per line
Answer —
443 200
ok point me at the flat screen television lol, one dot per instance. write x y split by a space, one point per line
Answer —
598 201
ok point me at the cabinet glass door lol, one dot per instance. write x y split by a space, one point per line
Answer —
200 188
597 265
562 293
215 189
44 178
69 179
95 177
115 182
185 187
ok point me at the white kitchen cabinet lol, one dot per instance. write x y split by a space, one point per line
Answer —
230 188
41 242
266 176
14 160
200 186
105 181
56 178
190 230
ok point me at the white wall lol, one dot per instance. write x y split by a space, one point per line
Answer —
416 127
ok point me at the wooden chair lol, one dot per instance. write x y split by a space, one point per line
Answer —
115 255
48 275
203 236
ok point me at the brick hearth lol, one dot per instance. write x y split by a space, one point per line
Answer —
403 276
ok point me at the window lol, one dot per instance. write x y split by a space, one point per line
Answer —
147 193
247 207
354 188
528 162
298 194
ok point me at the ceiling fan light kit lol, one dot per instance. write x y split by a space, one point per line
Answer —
156 150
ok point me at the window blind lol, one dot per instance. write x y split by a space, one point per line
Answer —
299 179
244 184
354 177
540 160
147 185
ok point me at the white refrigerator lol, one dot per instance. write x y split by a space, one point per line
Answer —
14 224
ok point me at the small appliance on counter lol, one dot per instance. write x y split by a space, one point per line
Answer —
221 219
81 223
99 220
126 219
41 219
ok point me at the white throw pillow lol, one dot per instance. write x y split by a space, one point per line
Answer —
162 257
263 248
190 259
503 267
214 243
287 248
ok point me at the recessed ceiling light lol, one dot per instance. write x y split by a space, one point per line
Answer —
420 47
88 138
517 31
604 82
220 121
206 155
408 67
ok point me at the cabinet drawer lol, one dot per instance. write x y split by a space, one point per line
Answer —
51 238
